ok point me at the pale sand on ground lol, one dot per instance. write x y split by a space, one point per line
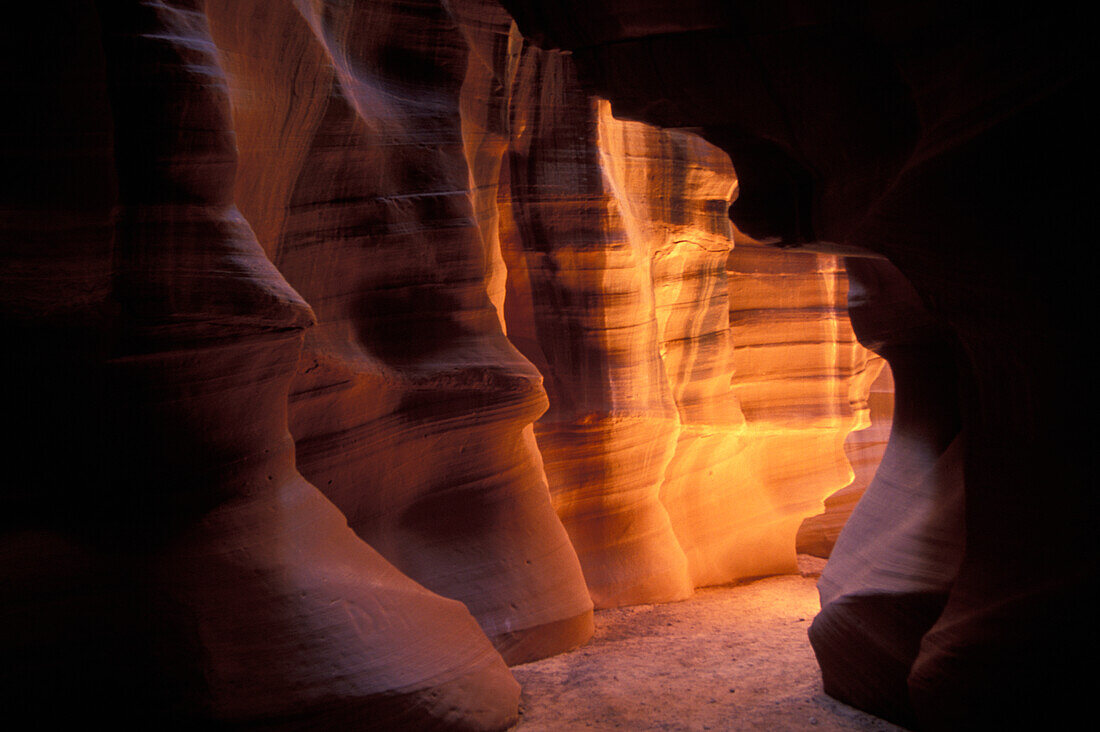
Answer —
730 658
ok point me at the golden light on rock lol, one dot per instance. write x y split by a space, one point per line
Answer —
358 350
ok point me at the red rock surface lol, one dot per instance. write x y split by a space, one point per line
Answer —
175 562
580 306
410 409
900 550
358 349
615 242
802 381
949 138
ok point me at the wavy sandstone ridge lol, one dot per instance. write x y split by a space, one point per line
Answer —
900 550
580 305
410 410
864 447
237 592
615 239
944 137
757 351
674 191
801 378
259 261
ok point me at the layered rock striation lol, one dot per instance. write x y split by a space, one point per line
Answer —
380 351
802 380
946 137
580 305
864 447
176 565
410 410
615 239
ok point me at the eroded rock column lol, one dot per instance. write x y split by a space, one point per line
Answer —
600 214
801 379
214 584
580 305
897 557
410 409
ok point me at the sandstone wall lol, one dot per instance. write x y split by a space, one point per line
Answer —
947 137
864 447
410 409
379 350
175 564
615 240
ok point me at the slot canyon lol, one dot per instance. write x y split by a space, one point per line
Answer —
362 351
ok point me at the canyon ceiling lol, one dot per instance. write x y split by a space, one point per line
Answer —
359 350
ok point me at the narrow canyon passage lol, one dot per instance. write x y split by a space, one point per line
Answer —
382 364
729 658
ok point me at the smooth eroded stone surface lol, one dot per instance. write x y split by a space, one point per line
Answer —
674 190
762 409
864 447
899 553
174 565
580 306
801 379
616 239
410 410
181 178
949 137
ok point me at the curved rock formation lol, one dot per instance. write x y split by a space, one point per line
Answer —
615 239
410 410
913 131
175 563
580 306
864 447
801 378
182 177
899 553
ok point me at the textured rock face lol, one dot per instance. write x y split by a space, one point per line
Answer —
864 447
802 379
344 513
896 130
176 561
900 551
615 241
410 410
583 312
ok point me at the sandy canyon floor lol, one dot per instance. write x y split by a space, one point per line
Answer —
730 658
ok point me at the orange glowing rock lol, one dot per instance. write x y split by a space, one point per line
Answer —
757 351
616 239
864 447
800 377
943 136
541 373
580 306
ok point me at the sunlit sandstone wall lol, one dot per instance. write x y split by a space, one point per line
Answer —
186 153
674 191
802 380
767 376
616 239
944 136
580 305
864 447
